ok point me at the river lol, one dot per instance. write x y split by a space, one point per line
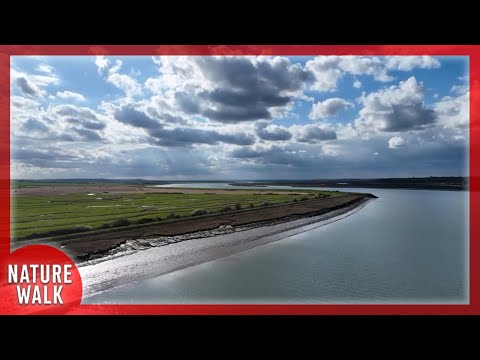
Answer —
407 246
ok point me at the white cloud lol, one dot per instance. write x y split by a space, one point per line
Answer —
396 142
101 63
408 63
70 95
454 112
329 70
396 108
357 84
459 89
45 80
47 69
328 108
124 82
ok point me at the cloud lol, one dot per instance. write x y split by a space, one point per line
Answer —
44 80
124 82
396 142
408 63
179 137
102 63
77 116
329 70
47 69
70 95
454 112
131 116
33 125
460 89
313 133
72 110
272 132
328 108
210 86
395 109
208 118
28 87
88 135
187 103
20 102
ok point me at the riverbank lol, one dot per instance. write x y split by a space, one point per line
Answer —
86 246
116 269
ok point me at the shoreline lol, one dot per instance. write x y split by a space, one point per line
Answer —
87 245
100 275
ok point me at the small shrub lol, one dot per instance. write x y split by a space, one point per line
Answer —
251 206
225 209
238 206
106 226
266 203
295 200
173 216
304 198
121 222
199 212
145 220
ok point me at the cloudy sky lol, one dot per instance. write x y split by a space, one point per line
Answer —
225 117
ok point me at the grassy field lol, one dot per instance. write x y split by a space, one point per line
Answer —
42 216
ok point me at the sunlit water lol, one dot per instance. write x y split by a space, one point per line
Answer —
407 246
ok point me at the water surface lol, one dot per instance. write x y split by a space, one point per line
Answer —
407 246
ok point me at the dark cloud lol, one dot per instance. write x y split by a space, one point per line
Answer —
187 103
88 124
49 157
33 125
407 117
274 134
245 90
130 116
313 134
88 135
28 87
187 136
396 109
245 153
230 114
76 112
274 155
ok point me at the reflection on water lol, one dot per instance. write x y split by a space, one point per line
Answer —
406 246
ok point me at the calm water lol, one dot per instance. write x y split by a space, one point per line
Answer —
407 246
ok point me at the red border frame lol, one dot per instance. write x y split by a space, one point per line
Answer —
466 50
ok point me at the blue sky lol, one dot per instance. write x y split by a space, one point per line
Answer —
238 117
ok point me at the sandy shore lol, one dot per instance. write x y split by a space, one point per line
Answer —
122 268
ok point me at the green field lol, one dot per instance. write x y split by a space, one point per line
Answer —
42 216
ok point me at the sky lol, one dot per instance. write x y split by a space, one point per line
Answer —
238 117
